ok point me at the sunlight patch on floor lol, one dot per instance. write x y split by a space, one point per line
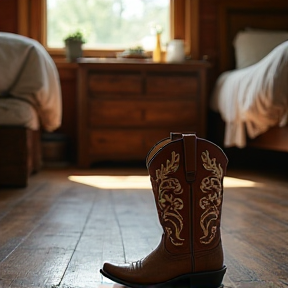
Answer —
232 182
114 182
141 182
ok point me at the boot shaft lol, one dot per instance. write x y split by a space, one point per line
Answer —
187 178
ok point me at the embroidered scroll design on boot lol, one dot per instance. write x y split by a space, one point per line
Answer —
212 187
169 204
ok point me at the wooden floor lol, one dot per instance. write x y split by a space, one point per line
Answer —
58 232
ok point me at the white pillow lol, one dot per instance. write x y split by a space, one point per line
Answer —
253 45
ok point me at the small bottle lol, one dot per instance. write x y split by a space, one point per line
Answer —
157 51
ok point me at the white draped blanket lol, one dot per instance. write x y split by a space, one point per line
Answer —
28 75
254 98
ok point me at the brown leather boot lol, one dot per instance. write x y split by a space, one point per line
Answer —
187 179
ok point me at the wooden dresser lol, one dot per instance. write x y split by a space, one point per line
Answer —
125 107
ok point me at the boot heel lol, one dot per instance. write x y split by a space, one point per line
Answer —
211 279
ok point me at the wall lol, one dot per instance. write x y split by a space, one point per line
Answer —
8 16
208 30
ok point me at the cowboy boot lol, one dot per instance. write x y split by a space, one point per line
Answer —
187 178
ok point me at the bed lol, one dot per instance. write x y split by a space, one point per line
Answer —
251 92
30 102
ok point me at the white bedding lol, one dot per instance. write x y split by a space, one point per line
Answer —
18 113
254 98
29 84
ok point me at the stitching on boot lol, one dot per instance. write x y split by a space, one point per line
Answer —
170 205
212 187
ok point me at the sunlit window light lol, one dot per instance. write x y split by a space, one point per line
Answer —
108 24
142 182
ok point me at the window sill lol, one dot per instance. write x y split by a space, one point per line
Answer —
59 53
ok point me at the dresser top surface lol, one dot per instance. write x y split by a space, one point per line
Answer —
116 61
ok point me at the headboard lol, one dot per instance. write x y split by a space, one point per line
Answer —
234 16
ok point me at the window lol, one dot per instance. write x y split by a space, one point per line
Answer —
183 24
108 24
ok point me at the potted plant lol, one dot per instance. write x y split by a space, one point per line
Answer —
73 46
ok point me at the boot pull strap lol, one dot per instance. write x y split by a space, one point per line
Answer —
175 135
190 156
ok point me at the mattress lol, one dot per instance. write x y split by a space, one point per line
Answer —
15 112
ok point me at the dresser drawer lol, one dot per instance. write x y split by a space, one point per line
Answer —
148 113
121 82
132 144
172 85
109 145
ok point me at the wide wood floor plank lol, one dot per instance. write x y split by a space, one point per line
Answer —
13 197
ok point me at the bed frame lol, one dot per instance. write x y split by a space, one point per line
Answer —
20 155
235 16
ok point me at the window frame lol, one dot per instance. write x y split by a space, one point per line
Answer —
183 18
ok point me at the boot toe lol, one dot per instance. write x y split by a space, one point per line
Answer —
114 271
112 268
